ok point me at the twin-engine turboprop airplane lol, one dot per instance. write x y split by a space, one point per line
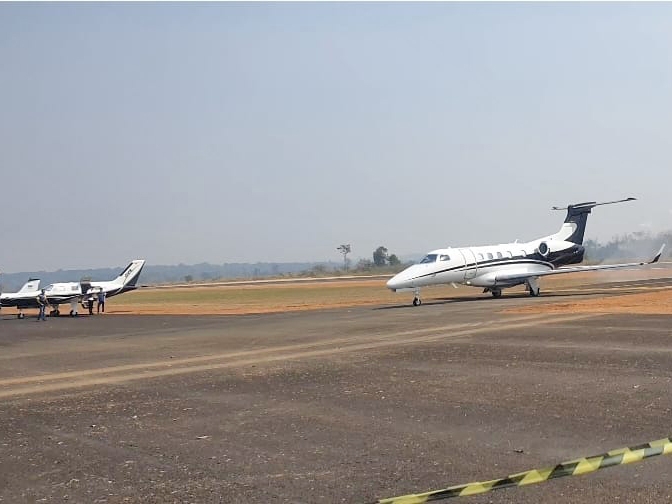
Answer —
496 267
71 292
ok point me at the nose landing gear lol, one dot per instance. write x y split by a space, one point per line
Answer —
416 300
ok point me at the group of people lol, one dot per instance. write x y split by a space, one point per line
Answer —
101 302
43 303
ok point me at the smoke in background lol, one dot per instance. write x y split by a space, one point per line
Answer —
631 247
636 246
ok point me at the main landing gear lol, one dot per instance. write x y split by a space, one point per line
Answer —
533 287
20 315
416 300
495 291
55 313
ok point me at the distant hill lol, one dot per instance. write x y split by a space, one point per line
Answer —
153 275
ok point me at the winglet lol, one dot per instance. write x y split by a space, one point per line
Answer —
657 257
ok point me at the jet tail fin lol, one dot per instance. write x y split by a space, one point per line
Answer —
574 227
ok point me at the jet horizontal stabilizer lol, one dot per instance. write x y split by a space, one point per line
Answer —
592 204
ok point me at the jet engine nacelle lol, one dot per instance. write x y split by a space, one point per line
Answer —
546 247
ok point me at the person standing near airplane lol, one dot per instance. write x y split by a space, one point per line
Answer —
89 302
43 303
101 301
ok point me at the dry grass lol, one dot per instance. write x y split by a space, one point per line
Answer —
247 299
645 303
273 298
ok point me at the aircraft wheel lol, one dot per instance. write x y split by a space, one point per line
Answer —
20 316
72 313
534 292
496 293
417 301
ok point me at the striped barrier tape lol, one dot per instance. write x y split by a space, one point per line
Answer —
572 468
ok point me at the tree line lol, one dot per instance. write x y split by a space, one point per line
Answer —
630 246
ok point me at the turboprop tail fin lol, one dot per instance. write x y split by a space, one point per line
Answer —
32 285
129 277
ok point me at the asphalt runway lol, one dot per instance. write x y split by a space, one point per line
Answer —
343 405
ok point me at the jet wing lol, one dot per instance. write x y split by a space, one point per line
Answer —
576 269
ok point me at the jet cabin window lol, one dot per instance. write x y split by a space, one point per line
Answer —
444 257
429 258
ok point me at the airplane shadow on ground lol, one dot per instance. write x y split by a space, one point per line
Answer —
504 298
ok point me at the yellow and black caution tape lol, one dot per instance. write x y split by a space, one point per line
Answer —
572 468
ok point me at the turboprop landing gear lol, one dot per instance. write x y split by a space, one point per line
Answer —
416 300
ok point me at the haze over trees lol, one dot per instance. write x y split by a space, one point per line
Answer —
631 246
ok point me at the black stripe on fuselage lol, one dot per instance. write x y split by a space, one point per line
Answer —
32 302
571 255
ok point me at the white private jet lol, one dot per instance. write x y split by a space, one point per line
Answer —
71 292
496 267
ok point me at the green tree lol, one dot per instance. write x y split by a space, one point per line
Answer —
393 260
380 256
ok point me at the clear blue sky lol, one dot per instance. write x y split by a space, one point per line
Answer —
225 132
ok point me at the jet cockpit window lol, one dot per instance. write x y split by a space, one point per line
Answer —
429 258
49 288
444 257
